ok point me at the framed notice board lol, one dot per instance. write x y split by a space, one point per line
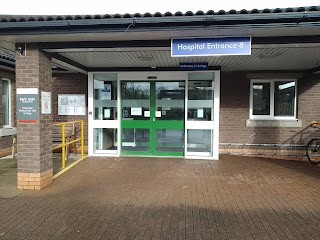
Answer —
71 104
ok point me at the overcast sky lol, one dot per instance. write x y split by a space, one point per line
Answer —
54 7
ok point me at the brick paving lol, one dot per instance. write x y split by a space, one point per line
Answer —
155 198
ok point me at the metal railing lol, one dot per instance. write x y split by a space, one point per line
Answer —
286 148
66 141
314 123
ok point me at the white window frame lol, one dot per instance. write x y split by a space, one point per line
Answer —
272 84
10 103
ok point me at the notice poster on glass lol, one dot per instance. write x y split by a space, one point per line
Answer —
71 104
136 111
199 113
106 113
106 92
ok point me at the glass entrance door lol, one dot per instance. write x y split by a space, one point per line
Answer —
152 118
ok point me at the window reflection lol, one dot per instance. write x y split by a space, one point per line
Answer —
5 102
200 100
284 98
134 139
135 100
261 99
105 139
281 92
170 140
170 100
105 96
199 140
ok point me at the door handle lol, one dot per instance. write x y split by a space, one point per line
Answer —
153 119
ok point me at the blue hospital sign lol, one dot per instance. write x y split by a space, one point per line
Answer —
188 47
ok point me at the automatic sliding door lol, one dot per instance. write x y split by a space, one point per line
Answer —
135 124
153 118
200 116
169 121
104 138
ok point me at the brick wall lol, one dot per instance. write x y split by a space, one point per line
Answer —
72 83
34 139
234 108
234 111
62 84
6 142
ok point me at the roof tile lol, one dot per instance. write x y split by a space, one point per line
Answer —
30 18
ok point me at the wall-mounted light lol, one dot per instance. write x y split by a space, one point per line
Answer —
269 55
22 49
145 58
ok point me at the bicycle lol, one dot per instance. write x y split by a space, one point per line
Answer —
313 147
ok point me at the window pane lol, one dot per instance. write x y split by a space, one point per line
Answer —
105 96
170 100
5 103
135 100
199 140
261 98
200 96
105 139
170 140
135 139
284 98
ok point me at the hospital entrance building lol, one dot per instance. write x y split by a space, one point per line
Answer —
192 85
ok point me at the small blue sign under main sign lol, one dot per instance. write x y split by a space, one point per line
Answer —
188 47
193 66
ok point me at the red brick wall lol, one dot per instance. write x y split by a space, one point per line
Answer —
72 83
6 142
34 139
62 84
309 99
234 107
234 111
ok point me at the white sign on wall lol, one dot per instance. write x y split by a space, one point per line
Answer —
45 102
71 104
27 105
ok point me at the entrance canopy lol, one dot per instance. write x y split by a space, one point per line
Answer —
282 39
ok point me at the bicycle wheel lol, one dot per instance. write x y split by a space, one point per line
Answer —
313 151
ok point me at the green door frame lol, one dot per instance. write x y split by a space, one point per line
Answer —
152 124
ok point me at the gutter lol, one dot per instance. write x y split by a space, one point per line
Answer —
158 23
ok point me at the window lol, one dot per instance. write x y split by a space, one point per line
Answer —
105 96
273 99
6 106
200 96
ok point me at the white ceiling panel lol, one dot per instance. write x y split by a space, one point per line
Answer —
286 58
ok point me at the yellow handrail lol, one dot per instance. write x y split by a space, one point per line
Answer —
65 143
82 139
315 123
63 163
60 123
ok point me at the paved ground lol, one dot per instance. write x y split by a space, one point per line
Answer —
8 178
57 165
150 198
8 173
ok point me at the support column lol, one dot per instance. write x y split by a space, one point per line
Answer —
34 70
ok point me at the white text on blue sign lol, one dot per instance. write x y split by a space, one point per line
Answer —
211 46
